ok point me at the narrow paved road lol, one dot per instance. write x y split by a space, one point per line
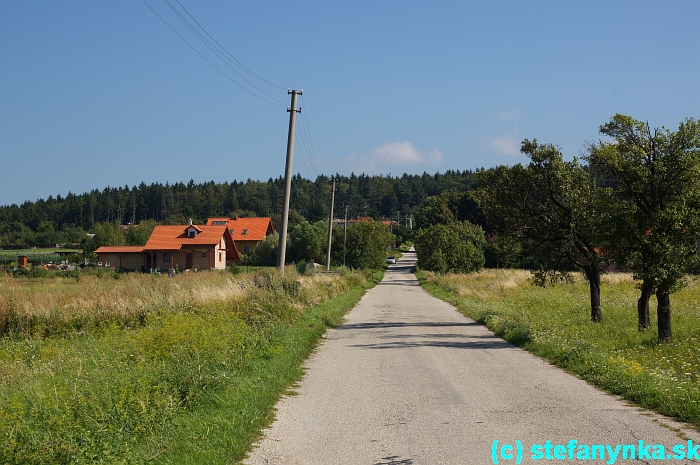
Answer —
408 380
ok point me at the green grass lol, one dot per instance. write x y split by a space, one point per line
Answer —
554 323
189 383
224 428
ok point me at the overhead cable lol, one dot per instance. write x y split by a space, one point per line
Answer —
305 147
273 102
308 132
296 130
248 70
216 52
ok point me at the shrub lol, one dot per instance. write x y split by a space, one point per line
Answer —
457 248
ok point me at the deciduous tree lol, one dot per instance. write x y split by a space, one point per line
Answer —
658 210
456 248
551 206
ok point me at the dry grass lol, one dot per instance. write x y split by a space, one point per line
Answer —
122 298
483 284
51 306
615 279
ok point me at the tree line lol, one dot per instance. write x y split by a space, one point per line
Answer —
67 219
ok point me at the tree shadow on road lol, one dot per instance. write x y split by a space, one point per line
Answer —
493 343
401 324
400 282
394 460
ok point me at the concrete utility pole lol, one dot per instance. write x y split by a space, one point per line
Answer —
282 248
330 231
345 233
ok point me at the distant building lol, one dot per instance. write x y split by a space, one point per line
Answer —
182 247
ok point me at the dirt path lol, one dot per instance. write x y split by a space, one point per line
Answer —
408 380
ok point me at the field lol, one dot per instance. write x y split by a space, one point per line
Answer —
554 323
129 368
35 256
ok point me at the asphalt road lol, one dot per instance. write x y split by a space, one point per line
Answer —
409 380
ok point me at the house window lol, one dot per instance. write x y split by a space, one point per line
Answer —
220 256
191 232
231 231
245 231
218 223
246 249
204 255
166 257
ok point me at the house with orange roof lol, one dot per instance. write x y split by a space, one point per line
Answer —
125 257
247 233
360 218
182 247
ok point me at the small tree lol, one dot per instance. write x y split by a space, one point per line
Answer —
367 242
456 248
265 254
111 234
657 218
139 234
434 210
308 241
551 206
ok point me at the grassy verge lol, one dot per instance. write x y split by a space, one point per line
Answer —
554 323
224 428
172 371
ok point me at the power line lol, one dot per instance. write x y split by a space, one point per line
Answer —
226 51
275 102
302 155
308 132
305 148
216 52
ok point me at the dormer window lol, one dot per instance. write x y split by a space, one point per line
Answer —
191 231
231 231
219 223
245 231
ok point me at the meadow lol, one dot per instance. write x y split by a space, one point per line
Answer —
554 323
129 368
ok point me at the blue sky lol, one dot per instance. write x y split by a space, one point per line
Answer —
97 94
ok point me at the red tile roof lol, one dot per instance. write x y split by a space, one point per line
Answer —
257 229
361 218
120 249
174 237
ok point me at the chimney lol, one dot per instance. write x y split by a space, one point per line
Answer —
235 217
190 222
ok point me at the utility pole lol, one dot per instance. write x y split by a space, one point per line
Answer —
330 231
345 233
282 248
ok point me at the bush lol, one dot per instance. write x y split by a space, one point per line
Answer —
457 248
366 245
265 254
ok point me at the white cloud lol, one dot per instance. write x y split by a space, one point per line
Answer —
510 115
391 157
506 145
397 152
